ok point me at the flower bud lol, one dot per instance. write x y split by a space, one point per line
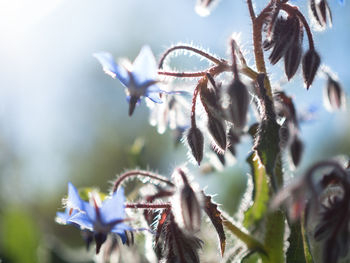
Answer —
292 60
286 32
311 63
334 96
296 150
190 210
196 142
239 100
217 129
320 11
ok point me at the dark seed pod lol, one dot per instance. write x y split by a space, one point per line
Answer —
196 142
239 100
296 150
311 63
334 96
217 129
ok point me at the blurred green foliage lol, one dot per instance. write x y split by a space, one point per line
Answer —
20 236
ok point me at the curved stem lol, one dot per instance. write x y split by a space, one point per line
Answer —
136 173
192 49
148 206
294 10
201 82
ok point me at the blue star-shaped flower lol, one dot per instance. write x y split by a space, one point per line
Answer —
139 78
73 204
98 218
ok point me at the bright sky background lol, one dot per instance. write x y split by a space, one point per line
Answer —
50 85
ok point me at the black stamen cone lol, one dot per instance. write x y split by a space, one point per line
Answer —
132 104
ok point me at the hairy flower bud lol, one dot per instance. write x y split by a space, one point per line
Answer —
196 142
334 96
239 100
188 213
296 150
286 32
217 129
311 63
320 12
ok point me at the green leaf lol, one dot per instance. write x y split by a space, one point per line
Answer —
267 139
260 193
267 144
19 236
215 216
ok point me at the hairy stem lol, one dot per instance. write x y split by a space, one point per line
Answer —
148 206
251 10
137 173
190 48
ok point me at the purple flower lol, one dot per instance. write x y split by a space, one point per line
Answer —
139 78
97 217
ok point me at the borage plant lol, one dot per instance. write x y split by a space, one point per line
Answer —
282 223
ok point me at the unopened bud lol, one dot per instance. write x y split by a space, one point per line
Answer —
217 129
190 210
334 96
196 142
320 11
292 59
286 32
311 63
296 150
239 100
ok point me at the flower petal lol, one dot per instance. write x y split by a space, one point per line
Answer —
74 201
113 208
111 68
82 220
154 96
144 66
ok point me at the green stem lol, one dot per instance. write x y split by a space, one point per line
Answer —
247 239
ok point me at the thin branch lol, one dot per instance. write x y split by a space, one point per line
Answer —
183 74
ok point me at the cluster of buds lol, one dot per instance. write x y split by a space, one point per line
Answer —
172 213
285 31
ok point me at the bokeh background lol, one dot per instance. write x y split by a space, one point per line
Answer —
62 119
